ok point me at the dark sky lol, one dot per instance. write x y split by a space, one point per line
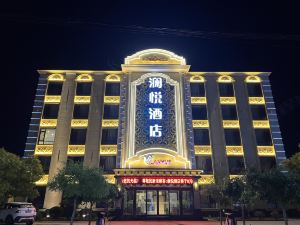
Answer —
212 37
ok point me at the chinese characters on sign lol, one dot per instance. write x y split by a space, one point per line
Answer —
155 97
157 180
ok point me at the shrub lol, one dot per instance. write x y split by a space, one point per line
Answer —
275 214
260 214
56 212
40 215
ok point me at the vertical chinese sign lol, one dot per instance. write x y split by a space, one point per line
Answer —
155 115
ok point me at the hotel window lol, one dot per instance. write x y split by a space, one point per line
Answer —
204 163
232 137
236 165
201 137
81 111
197 90
77 137
263 137
54 88
111 112
46 136
83 88
254 90
267 163
112 89
226 90
229 112
199 112
108 163
109 137
50 111
258 112
75 159
45 162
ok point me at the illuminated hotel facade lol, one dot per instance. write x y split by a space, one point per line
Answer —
158 130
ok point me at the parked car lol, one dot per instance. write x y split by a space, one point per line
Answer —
18 212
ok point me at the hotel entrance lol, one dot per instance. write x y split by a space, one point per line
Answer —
158 202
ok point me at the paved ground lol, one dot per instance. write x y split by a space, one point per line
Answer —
291 222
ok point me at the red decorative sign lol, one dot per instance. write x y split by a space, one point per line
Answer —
157 180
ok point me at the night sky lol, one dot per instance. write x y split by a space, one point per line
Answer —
212 37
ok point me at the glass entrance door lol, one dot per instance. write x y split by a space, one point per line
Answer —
163 202
174 202
152 202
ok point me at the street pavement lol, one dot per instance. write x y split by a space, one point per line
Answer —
291 222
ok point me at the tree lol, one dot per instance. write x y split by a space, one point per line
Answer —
293 163
18 176
276 187
238 191
217 193
81 184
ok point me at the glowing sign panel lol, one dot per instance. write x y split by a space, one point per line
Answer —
157 180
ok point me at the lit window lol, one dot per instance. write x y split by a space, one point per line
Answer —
46 137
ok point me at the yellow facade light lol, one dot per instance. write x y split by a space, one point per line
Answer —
231 177
113 78
227 100
198 100
253 79
108 150
110 123
43 181
56 77
48 123
225 79
231 124
112 99
52 99
43 150
200 124
203 150
76 150
79 122
197 79
261 123
110 178
82 99
266 151
256 100
206 179
84 78
234 150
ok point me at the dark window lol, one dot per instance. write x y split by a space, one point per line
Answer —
75 159
109 137
39 200
232 136
108 163
204 163
46 136
197 90
267 163
199 112
254 90
226 89
263 137
81 111
111 112
112 89
258 112
84 88
78 137
201 137
45 162
51 111
54 88
229 112
236 165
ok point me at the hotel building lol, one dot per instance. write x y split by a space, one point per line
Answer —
160 131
